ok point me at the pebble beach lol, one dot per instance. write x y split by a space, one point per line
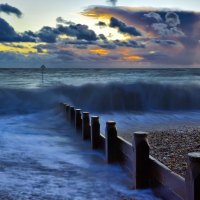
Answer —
171 147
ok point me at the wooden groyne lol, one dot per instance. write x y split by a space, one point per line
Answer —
135 158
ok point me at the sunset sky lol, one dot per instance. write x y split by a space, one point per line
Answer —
124 33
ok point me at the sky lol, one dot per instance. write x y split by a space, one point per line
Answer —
100 33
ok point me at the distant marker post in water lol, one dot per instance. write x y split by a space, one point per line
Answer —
43 67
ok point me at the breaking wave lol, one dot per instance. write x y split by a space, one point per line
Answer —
137 96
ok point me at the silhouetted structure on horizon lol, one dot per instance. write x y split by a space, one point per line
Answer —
43 67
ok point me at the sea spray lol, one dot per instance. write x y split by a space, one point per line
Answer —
110 97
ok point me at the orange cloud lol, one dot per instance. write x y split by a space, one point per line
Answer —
99 51
133 58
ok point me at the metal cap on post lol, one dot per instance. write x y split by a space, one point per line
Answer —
95 132
141 160
193 176
72 114
86 126
111 142
78 120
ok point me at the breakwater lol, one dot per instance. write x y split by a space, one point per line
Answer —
145 171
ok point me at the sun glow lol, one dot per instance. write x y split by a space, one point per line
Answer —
21 47
133 58
99 51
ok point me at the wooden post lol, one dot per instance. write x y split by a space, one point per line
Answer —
95 132
141 160
78 120
72 114
193 176
111 142
86 126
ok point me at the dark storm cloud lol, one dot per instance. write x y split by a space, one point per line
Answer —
48 34
10 10
103 37
79 31
113 2
101 24
117 43
123 28
130 43
164 42
8 34
60 20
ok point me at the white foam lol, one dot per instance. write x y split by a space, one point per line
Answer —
43 158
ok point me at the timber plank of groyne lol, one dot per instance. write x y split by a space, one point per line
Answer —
126 157
165 181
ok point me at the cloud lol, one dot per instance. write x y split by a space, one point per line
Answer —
108 46
172 19
143 18
153 15
113 2
8 34
164 42
176 32
103 37
130 43
63 21
101 24
165 30
165 36
169 27
79 31
66 55
10 10
123 28
47 34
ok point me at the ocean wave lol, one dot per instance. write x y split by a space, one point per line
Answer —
116 97
138 96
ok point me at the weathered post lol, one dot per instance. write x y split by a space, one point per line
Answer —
193 176
141 160
86 126
78 120
111 142
72 114
95 132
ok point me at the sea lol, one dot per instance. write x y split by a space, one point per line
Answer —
41 156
